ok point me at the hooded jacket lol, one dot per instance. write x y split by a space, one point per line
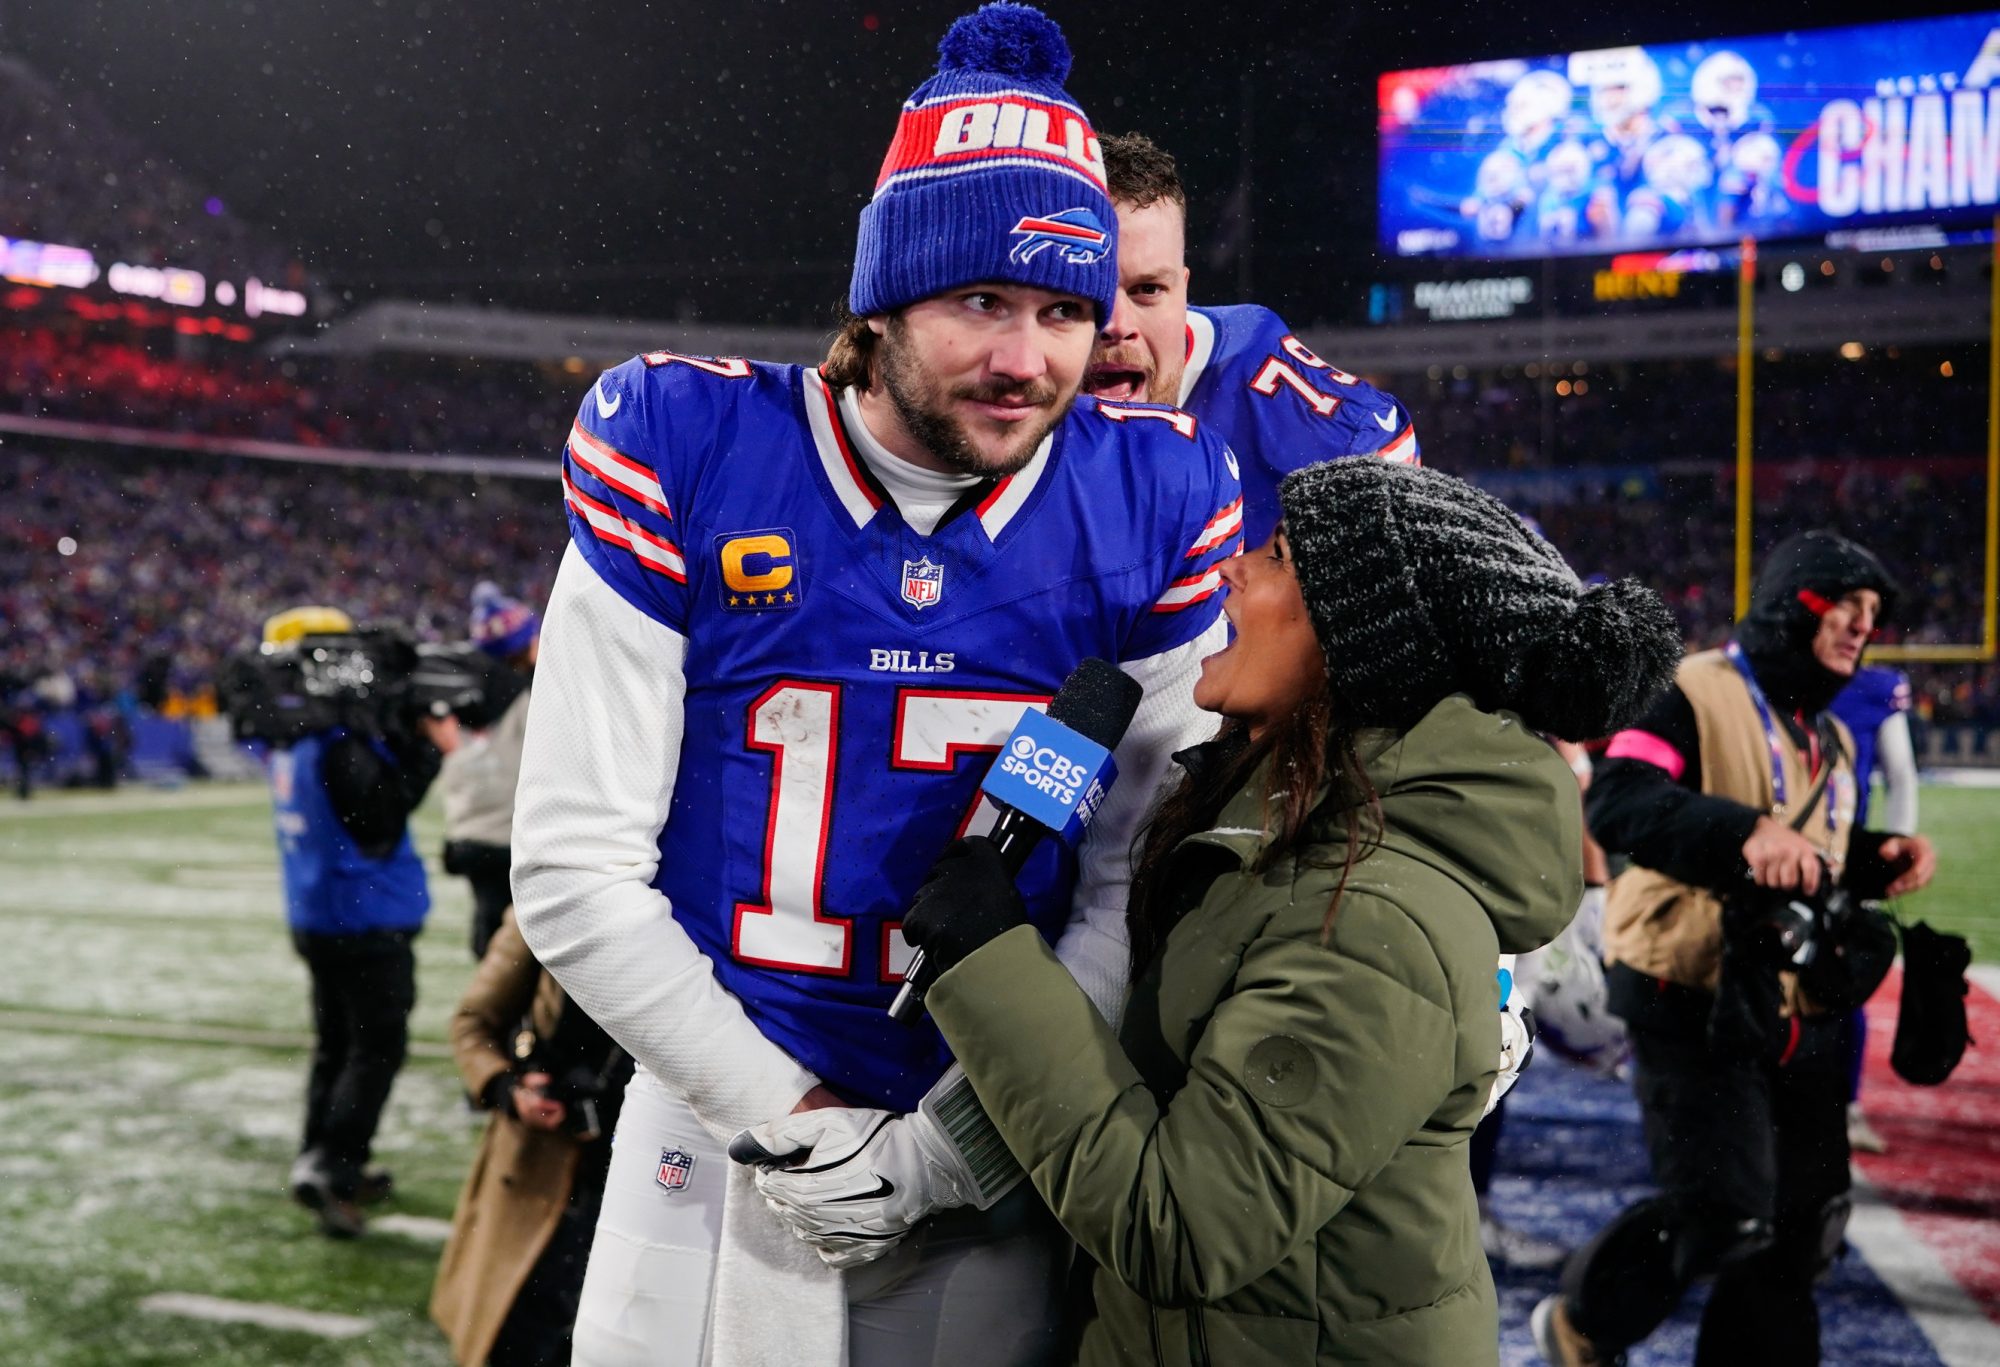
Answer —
1270 1163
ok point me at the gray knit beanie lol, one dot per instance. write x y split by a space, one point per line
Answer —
1420 586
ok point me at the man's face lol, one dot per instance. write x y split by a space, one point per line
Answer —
1142 351
1844 630
980 375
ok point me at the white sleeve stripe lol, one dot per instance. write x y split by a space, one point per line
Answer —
1219 529
1185 593
655 553
618 470
1399 449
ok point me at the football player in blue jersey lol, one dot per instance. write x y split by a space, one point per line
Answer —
799 611
1507 190
1238 369
1747 161
1876 708
1624 98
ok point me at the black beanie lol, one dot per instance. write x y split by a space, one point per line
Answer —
1420 586
1777 633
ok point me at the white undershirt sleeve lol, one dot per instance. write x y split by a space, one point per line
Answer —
1095 945
1896 761
597 781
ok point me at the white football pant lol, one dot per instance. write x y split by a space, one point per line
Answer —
966 1287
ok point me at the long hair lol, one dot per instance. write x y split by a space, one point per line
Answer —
1307 749
850 355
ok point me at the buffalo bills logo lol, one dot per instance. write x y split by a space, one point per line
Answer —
1077 235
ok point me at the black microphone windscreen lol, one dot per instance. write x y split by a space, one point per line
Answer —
1097 701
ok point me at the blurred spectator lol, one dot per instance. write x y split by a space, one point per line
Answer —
481 771
509 1280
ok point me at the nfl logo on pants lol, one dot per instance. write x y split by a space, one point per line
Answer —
923 582
675 1167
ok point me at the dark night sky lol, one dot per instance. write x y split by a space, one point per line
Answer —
640 158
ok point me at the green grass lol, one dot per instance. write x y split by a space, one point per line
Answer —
132 1164
1964 823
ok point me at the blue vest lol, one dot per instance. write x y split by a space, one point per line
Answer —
331 887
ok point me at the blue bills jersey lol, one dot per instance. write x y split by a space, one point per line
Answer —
1280 407
849 679
1875 694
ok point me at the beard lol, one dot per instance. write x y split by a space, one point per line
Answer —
1125 375
923 402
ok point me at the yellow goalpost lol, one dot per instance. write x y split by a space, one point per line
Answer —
1988 646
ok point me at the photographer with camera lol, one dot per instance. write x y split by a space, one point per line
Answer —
481 770
347 767
508 1284
1738 942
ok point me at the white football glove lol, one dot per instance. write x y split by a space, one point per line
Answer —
852 1181
1517 1047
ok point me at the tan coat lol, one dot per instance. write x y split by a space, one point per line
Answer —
1670 930
521 1178
477 780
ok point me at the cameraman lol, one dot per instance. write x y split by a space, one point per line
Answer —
1737 786
508 1284
480 773
355 898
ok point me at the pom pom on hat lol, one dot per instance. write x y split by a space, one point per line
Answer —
1013 40
1420 586
501 626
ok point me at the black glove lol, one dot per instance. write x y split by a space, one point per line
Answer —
967 899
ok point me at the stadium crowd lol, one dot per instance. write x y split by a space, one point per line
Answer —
206 545
116 378
140 573
1888 403
75 178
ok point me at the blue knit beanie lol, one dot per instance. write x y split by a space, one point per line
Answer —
501 626
994 174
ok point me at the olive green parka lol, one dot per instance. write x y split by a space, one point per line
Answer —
1269 1164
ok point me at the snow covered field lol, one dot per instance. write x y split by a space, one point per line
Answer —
155 1021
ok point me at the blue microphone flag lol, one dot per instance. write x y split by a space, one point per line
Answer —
1052 775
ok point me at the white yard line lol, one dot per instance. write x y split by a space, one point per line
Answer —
123 1027
57 806
220 1311
1951 1319
423 1228
1987 976
1963 777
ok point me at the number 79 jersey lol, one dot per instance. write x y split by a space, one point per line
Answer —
848 679
1280 407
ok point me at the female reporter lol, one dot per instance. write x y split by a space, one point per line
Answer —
1269 1162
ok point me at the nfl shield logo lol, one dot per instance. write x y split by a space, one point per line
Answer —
675 1167
923 582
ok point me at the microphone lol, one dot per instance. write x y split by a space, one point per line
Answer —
1050 778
